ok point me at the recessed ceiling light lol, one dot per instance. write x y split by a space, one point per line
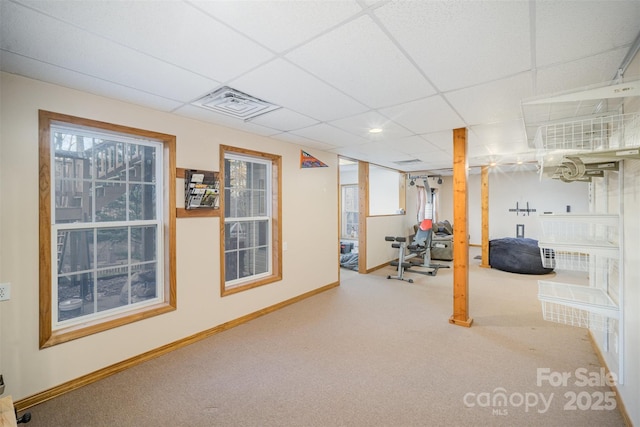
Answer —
375 130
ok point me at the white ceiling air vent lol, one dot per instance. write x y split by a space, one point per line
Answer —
408 162
234 103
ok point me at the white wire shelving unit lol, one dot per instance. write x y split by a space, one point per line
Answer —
577 305
566 149
578 242
586 137
572 241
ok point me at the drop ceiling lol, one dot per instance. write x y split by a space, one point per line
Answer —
335 69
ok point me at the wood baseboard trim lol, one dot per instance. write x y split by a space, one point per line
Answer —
68 386
620 403
378 267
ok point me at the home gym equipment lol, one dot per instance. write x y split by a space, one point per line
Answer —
401 263
419 250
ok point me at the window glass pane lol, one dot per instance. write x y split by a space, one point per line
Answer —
237 203
235 235
142 163
142 202
262 233
73 201
143 283
111 201
246 263
75 295
108 159
143 244
259 203
73 155
72 172
237 197
260 260
231 265
75 250
111 283
113 248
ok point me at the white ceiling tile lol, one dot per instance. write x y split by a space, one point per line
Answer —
443 140
300 140
424 116
579 73
359 59
460 44
596 26
360 124
29 34
413 144
505 135
171 31
330 134
281 25
209 116
492 102
434 156
64 77
282 83
284 120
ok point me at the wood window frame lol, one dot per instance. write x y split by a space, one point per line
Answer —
276 218
50 337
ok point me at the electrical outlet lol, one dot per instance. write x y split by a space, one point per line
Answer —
5 291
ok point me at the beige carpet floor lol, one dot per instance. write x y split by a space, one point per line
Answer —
372 352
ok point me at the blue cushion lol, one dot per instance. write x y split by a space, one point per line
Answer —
516 255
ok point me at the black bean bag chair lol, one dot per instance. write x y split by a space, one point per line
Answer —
516 255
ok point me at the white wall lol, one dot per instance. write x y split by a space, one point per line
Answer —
310 224
506 189
630 390
380 251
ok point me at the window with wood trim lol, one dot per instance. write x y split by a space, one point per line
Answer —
251 252
107 226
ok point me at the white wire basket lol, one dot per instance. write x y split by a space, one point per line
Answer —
561 260
592 134
571 241
577 305
579 228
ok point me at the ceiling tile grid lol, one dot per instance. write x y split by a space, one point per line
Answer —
463 43
284 84
566 31
170 31
336 69
281 25
379 75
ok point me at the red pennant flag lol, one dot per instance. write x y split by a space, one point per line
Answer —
308 161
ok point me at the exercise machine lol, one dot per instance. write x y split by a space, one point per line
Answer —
401 263
419 250
422 242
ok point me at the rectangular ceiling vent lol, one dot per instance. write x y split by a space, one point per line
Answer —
408 162
232 102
